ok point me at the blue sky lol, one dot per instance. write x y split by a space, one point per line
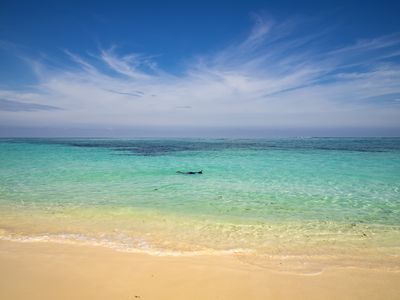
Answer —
243 68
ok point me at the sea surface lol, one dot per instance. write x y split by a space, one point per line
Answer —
293 203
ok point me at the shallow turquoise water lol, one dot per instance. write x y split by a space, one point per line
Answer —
314 193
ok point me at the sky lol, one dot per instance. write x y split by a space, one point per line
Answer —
199 69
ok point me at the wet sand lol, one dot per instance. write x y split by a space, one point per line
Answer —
59 271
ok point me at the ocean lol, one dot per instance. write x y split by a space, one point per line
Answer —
294 203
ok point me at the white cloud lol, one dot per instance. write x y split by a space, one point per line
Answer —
273 78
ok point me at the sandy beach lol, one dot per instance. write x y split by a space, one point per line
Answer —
58 271
183 150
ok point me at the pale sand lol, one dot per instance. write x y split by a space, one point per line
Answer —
54 271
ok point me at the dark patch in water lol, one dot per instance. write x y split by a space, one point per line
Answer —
167 147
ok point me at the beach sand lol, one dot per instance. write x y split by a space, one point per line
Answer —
62 271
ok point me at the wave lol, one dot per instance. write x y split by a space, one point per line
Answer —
139 246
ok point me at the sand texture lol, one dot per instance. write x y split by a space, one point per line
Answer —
56 271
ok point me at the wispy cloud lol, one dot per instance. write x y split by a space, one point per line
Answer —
14 106
275 77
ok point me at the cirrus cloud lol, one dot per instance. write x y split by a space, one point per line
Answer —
274 78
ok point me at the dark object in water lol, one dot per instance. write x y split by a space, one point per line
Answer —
190 172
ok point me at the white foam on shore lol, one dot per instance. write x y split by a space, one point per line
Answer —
136 245
301 264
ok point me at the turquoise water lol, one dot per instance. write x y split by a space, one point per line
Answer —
274 197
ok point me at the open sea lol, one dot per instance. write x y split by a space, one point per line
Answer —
292 203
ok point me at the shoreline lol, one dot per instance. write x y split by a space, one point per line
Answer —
286 260
65 271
